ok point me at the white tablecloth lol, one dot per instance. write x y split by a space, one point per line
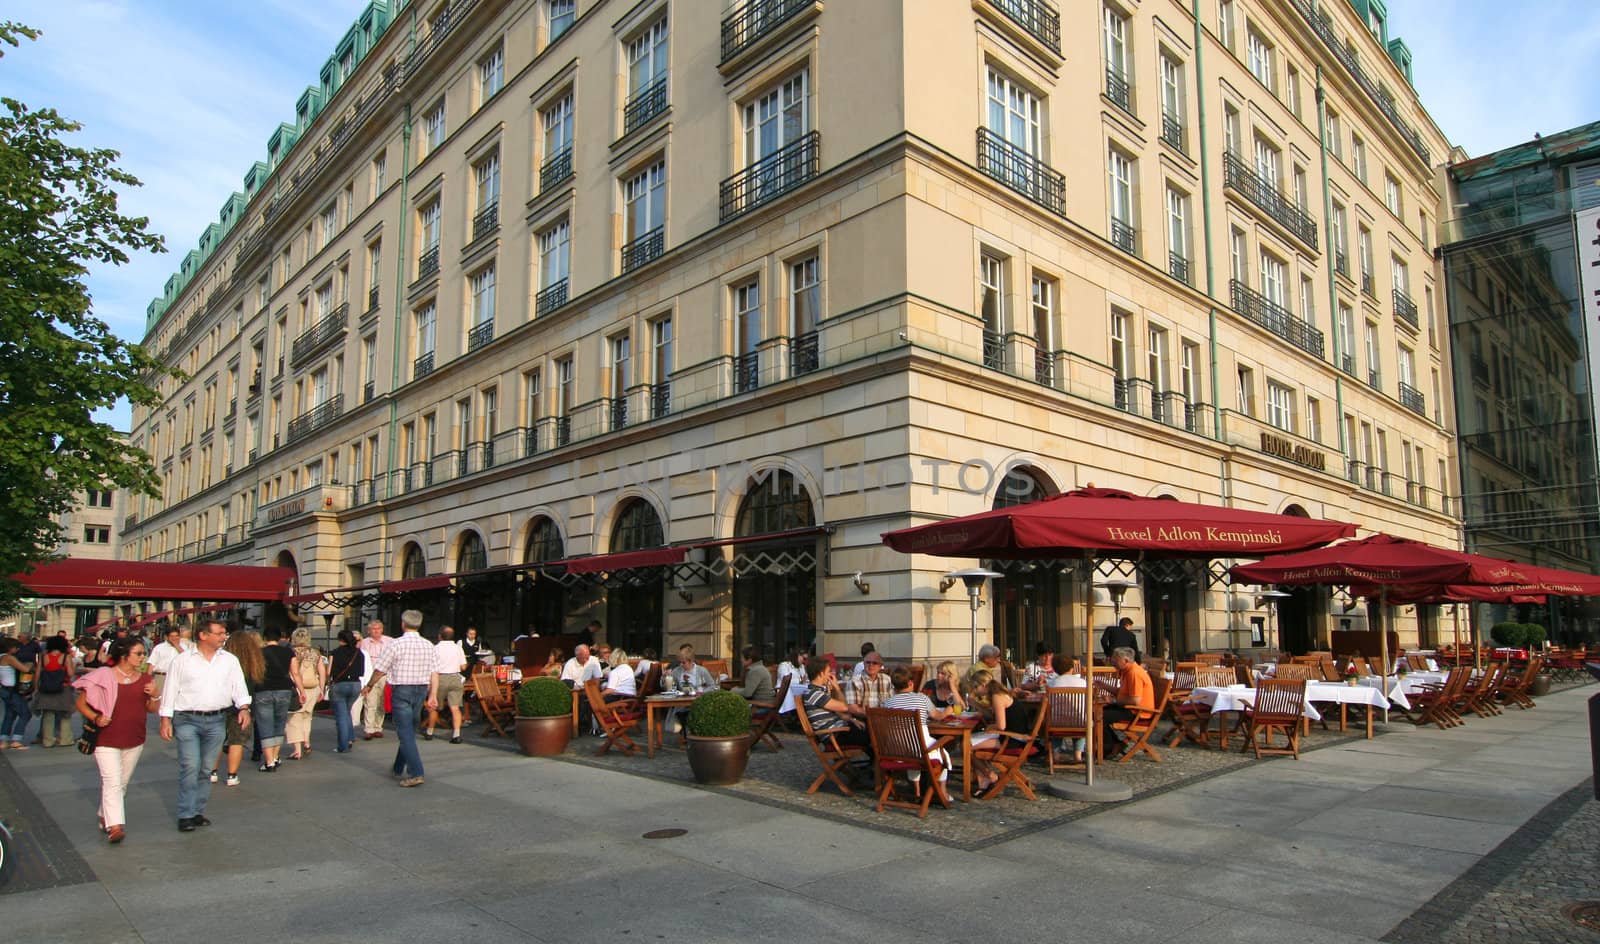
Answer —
1362 694
1238 698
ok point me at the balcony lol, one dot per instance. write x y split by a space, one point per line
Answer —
1178 268
1405 309
563 430
1374 379
771 177
1172 133
644 106
755 19
486 222
1118 90
422 366
746 372
660 399
1347 58
1044 367
1347 363
1124 236
367 391
556 169
994 350
320 336
1275 318
1411 399
1242 179
550 298
233 410
314 419
254 455
803 355
428 263
1341 262
1368 287
1039 20
644 249
480 335
372 298
619 413
1021 171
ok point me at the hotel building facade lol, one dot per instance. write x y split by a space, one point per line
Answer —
529 286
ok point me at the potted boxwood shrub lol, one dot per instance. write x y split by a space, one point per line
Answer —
719 737
544 716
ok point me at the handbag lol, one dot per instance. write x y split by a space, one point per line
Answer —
87 740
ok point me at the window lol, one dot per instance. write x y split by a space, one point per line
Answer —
1120 168
993 303
1121 355
557 121
1178 233
1280 406
324 301
1269 164
553 254
369 365
747 335
1301 192
559 15
621 355
1226 18
374 271
96 535
1274 277
1044 292
1292 91
645 203
1313 419
1238 261
1333 135
1114 33
1014 114
1391 194
1261 58
1405 364
433 129
330 223
1347 337
1364 251
777 118
1246 380
463 437
532 397
99 498
1172 94
1231 130
1402 276
1374 367
491 413
1341 247
647 60
661 349
422 330
491 74
1308 300
1358 157
482 288
1156 367
486 177
805 297
428 226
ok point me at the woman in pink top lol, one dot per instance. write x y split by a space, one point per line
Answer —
117 699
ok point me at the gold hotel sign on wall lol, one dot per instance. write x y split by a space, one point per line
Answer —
1285 448
288 509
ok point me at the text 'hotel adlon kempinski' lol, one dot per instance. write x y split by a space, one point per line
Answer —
700 300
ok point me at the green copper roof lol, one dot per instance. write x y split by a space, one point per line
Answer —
1561 148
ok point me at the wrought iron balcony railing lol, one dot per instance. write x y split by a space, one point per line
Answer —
551 298
1368 286
1406 309
1044 367
314 419
1124 236
1275 318
372 298
1240 177
556 169
1172 132
994 350
563 430
1021 171
746 372
1347 363
660 399
755 19
619 412
1178 268
480 335
1119 91
771 177
1341 263
422 366
1037 19
319 335
645 105
428 262
486 221
803 354
644 249
1411 398
368 389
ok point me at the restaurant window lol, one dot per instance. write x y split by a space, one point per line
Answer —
1029 599
635 608
775 583
545 601
470 553
414 563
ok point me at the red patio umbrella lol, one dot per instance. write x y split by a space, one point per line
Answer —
1122 523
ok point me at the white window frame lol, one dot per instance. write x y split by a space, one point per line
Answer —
805 295
424 325
559 17
1120 175
778 117
1262 59
1013 112
647 58
486 181
555 253
481 289
644 202
491 74
433 125
556 121
1280 406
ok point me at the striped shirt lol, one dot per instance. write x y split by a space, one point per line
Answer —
816 702
409 660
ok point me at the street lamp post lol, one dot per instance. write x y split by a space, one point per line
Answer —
1106 791
1270 599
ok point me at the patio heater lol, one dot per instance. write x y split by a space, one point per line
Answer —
1090 791
1270 599
973 577
1116 588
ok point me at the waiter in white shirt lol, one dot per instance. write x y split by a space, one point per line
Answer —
170 647
203 685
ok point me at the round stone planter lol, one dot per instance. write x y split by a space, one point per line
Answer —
718 760
1540 685
544 737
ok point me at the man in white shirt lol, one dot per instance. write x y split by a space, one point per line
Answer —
170 647
450 662
202 687
372 696
581 667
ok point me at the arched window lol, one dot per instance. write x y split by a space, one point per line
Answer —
636 609
1020 486
638 527
544 602
413 563
1030 600
470 553
544 542
775 503
775 582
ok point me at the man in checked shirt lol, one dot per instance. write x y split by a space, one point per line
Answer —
410 665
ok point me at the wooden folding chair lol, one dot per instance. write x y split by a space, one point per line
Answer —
1066 713
1183 676
1478 695
617 719
1280 703
901 745
1194 718
1517 690
1007 759
765 713
1433 703
1297 673
498 709
1208 658
1139 729
834 757
1417 663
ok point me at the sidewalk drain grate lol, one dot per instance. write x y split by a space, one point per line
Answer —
1585 914
664 833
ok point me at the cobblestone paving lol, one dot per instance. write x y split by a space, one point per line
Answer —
1517 893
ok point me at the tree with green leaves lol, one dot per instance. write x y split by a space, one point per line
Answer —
59 363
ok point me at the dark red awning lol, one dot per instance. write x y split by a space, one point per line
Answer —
604 563
773 537
300 598
76 578
1383 560
436 582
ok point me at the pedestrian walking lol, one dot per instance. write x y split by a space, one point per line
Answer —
53 697
408 664
117 699
273 698
309 672
372 695
245 645
344 688
202 686
14 723
450 662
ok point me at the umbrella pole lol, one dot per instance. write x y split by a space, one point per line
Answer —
1088 669
1383 646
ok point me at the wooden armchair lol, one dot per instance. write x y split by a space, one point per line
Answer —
834 757
1434 703
1298 672
1208 658
717 667
900 745
1516 691
1012 751
1280 703
764 714
1478 694
617 719
1138 730
495 703
1183 677
1066 711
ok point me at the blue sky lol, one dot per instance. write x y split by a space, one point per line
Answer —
189 90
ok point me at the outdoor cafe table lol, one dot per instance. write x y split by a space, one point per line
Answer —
963 729
1347 695
661 703
1236 698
